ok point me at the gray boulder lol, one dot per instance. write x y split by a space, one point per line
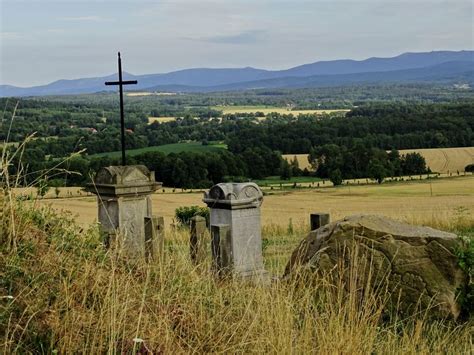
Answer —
415 265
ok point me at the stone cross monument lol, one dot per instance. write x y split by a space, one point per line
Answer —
125 215
236 240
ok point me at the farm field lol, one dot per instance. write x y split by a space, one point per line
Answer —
445 160
453 198
269 109
441 160
168 148
152 119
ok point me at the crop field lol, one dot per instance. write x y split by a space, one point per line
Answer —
301 158
437 202
440 160
169 148
152 119
269 109
446 160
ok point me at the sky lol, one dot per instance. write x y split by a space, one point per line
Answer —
44 40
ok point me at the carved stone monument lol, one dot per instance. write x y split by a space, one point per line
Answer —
125 214
235 229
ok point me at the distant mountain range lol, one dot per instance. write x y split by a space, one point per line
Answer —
442 67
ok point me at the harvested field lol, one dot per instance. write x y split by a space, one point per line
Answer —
152 119
440 160
453 198
269 109
301 158
445 160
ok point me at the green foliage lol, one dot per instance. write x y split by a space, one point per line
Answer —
168 149
185 213
43 187
286 171
465 254
335 177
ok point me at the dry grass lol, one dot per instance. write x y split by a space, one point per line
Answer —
301 158
408 201
61 292
440 160
269 109
161 119
445 160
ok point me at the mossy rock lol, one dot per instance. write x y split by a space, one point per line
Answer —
416 266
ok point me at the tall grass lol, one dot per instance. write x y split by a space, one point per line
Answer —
62 291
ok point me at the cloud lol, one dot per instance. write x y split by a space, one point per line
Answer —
246 37
10 35
84 18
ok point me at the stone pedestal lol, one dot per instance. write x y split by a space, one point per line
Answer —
318 220
235 228
125 215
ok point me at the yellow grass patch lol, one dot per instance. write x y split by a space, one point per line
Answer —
301 158
161 119
440 160
266 110
410 201
445 160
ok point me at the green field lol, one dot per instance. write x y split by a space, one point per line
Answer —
169 148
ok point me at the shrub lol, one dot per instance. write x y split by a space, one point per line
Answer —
335 177
185 213
465 256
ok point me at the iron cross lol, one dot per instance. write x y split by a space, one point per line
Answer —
121 83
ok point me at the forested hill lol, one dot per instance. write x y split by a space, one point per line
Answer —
355 145
446 67
384 126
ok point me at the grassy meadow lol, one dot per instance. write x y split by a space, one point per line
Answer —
62 292
435 202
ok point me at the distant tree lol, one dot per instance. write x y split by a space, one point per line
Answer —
42 188
469 168
295 167
335 176
286 172
377 171
413 163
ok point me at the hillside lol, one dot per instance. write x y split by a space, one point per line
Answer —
440 160
433 67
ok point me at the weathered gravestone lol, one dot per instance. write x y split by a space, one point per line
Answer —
236 240
198 242
416 265
125 213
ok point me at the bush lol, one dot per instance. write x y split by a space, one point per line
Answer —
335 177
185 213
465 255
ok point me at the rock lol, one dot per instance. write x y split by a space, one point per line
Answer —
416 265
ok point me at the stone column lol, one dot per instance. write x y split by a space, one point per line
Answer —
123 195
235 228
317 220
197 241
